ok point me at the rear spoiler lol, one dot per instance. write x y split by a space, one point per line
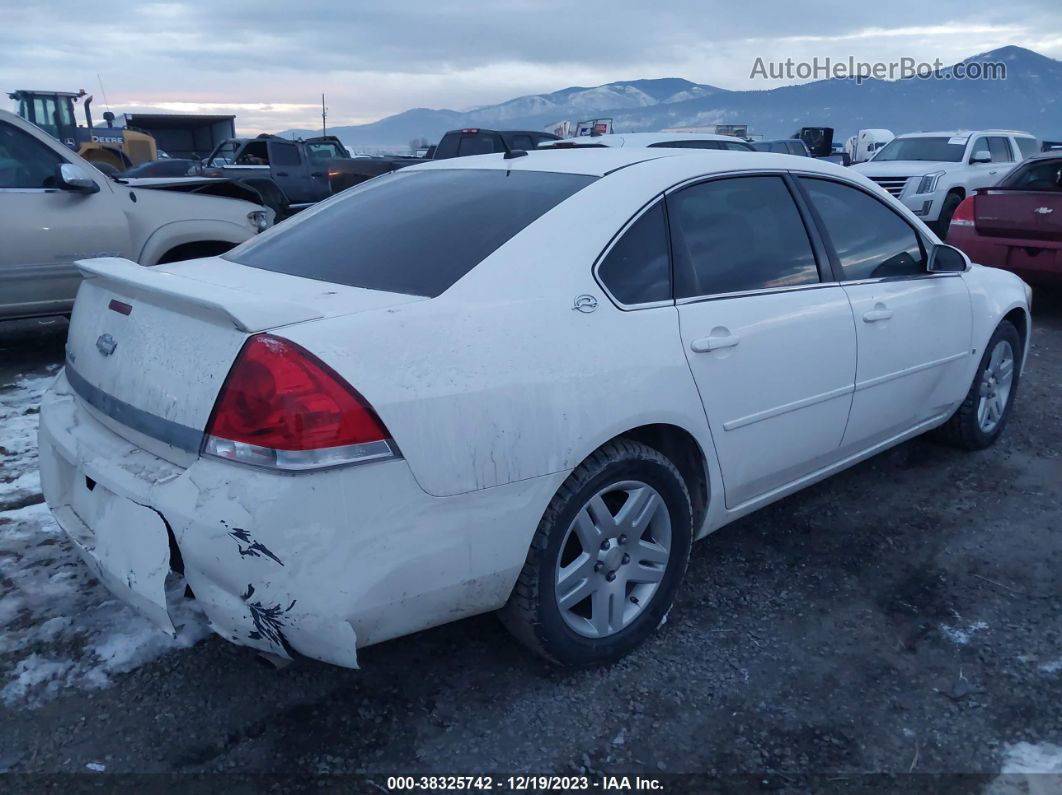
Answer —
246 313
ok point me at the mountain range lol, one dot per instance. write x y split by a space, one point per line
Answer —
1030 98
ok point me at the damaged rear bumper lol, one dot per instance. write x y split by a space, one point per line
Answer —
312 565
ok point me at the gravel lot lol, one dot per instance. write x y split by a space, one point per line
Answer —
903 616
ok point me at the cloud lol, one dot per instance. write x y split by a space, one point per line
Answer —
270 62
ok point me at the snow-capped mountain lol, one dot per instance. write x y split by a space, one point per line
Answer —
1030 98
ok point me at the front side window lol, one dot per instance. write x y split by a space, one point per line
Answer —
733 235
637 270
413 232
871 241
24 161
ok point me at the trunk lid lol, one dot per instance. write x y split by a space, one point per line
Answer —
1026 214
148 348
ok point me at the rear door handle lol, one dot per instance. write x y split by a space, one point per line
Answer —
714 342
879 312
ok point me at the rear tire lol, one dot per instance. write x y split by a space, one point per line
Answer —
595 586
981 417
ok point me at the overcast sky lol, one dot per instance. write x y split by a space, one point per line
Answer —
269 62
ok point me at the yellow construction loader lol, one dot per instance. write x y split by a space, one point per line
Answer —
118 148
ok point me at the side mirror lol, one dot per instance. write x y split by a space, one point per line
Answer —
981 156
947 259
75 179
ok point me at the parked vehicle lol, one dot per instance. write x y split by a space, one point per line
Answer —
657 140
1017 224
163 167
864 144
56 208
478 141
784 146
932 172
819 140
289 174
509 382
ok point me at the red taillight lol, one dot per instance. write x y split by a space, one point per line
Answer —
284 408
964 213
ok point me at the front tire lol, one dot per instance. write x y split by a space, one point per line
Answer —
606 559
947 210
979 421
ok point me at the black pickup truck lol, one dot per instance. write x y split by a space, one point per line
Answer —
293 174
456 143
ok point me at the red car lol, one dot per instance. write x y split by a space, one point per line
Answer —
1016 225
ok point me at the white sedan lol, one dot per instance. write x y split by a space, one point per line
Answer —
523 383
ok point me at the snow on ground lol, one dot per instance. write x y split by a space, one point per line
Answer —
1029 769
59 627
961 635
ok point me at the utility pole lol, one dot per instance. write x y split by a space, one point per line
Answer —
324 117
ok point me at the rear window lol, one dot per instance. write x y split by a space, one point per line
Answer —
412 232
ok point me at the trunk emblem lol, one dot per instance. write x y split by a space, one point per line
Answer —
1043 210
106 344
584 304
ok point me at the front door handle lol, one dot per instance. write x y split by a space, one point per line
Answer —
879 312
714 342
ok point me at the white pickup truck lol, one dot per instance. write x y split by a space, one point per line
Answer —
55 208
932 172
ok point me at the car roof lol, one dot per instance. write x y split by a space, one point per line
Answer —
598 162
636 139
963 133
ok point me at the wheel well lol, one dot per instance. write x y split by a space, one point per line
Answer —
960 192
200 248
1017 318
686 454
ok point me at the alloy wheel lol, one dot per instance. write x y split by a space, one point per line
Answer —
612 558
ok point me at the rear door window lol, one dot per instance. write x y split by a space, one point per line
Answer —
1000 150
637 270
735 235
1027 146
413 232
283 154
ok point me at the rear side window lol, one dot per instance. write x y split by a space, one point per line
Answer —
637 270
733 235
413 232
522 142
283 154
1000 149
871 241
1027 146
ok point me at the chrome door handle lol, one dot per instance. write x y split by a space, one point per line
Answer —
876 314
714 343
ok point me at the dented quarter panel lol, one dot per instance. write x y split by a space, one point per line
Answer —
308 565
